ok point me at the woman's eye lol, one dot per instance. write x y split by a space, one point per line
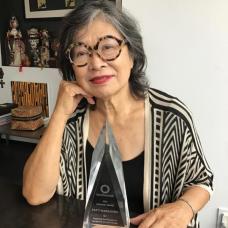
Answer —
107 47
81 54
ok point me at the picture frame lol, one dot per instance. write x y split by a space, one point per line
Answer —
44 13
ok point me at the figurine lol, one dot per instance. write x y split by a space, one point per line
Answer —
54 52
15 44
34 42
44 49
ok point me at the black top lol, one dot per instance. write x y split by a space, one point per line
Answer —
133 175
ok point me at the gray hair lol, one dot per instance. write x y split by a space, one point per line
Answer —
125 24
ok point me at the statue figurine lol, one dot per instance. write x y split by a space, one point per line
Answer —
54 44
15 44
44 49
34 43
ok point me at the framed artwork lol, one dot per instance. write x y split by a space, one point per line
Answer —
47 8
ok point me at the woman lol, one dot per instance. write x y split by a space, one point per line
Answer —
103 62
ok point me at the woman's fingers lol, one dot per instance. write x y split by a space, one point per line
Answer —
72 89
145 220
69 96
90 100
169 215
138 219
148 220
78 90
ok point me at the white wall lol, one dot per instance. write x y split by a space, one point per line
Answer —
186 42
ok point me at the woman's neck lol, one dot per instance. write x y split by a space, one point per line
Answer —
122 113
118 107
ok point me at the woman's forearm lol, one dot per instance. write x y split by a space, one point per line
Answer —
41 171
194 198
175 214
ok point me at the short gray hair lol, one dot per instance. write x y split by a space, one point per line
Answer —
122 21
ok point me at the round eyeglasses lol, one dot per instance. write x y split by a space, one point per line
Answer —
108 48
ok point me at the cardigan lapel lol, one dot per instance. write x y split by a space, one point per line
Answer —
147 158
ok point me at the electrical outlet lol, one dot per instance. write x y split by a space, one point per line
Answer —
220 213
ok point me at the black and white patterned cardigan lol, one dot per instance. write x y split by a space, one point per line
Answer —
173 162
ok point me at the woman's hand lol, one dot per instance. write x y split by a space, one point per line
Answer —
171 215
69 96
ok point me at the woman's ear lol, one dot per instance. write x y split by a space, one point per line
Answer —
131 59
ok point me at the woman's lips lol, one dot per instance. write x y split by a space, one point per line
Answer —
101 79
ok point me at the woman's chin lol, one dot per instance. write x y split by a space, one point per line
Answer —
104 95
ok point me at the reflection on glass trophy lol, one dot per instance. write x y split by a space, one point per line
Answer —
106 200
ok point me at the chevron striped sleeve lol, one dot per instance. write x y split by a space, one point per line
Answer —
72 171
178 161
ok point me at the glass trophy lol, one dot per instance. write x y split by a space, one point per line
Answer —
106 200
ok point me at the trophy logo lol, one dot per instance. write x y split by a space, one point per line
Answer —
106 200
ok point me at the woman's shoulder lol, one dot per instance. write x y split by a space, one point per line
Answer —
166 102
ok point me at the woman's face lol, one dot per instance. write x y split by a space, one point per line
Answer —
100 78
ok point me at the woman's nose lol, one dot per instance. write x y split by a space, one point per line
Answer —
96 62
